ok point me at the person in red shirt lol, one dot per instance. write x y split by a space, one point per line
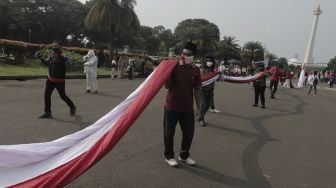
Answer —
288 77
179 106
275 73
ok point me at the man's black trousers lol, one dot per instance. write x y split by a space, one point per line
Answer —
187 124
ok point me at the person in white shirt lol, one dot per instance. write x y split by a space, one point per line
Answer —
312 82
90 69
114 67
130 68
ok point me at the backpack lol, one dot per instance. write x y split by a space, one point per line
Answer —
315 82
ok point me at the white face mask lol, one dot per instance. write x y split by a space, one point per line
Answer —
189 59
209 63
198 65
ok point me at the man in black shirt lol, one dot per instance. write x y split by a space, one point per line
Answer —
56 79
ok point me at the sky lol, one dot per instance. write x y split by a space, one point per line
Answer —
282 26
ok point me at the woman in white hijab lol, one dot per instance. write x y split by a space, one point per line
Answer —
90 69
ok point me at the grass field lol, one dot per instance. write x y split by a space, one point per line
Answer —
33 68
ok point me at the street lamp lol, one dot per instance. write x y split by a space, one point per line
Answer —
69 38
29 33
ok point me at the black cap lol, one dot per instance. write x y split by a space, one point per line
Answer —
191 46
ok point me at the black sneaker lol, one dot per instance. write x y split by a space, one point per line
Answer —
73 111
255 105
88 91
263 106
46 115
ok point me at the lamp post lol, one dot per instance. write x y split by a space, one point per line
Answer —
29 33
69 38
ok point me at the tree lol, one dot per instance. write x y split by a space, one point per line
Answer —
207 44
114 17
229 48
332 64
165 36
152 42
272 58
4 18
252 51
282 62
40 20
200 31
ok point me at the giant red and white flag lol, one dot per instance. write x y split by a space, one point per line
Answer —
233 79
58 162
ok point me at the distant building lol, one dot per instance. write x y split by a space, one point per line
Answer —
295 62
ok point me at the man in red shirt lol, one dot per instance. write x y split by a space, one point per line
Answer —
275 73
179 105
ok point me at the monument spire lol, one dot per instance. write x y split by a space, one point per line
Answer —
311 42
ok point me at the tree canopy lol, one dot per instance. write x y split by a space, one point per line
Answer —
332 64
40 20
200 31
114 24
253 51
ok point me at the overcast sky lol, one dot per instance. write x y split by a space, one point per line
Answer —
283 26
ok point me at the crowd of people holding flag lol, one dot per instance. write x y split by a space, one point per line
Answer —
188 81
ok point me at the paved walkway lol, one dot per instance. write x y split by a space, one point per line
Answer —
290 144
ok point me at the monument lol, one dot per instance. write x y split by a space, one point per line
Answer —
310 48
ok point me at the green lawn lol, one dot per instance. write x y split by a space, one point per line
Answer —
37 70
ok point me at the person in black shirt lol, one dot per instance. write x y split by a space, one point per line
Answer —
206 92
259 89
56 79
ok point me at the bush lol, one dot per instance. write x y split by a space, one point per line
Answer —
75 62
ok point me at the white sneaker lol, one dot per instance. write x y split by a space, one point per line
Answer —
188 161
171 162
214 110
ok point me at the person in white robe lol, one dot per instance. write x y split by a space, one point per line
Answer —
90 69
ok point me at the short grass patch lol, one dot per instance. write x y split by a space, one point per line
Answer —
34 68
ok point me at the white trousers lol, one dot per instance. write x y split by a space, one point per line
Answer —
113 73
91 81
287 83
